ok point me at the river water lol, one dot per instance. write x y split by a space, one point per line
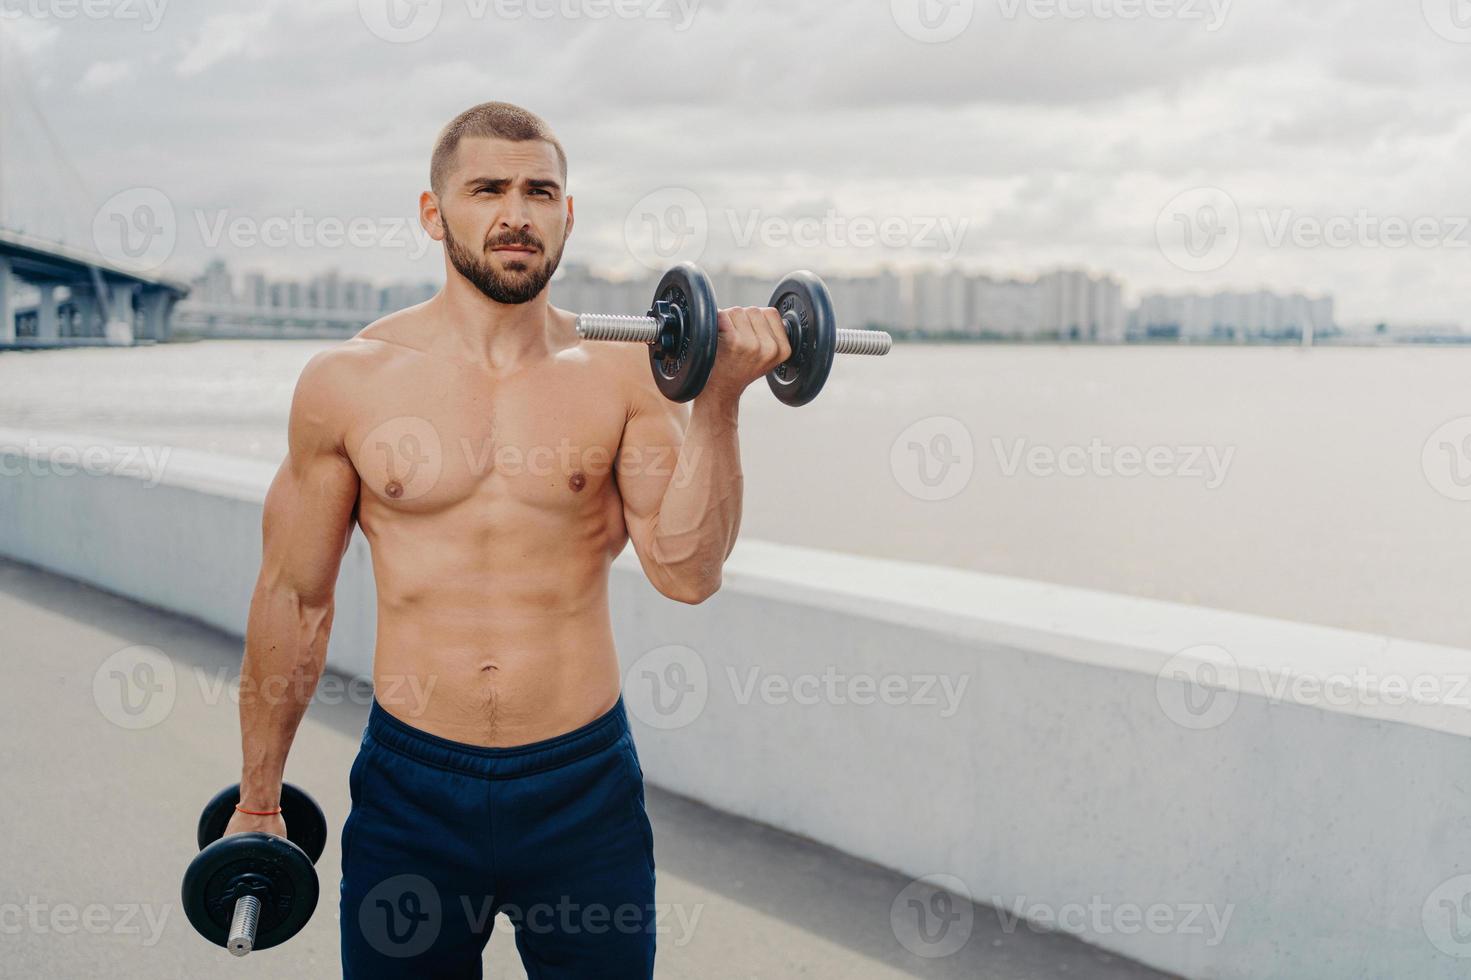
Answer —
1317 485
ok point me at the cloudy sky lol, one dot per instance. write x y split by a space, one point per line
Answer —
1299 145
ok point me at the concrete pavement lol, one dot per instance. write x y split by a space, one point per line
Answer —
103 796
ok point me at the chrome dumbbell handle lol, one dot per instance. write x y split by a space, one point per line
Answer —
645 330
243 925
627 329
874 342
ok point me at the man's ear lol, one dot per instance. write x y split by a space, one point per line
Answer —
571 218
431 219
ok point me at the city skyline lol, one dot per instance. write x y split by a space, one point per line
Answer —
1057 304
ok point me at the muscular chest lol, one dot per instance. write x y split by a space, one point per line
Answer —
545 440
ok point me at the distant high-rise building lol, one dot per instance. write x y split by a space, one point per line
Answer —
215 286
941 301
1233 316
1005 307
255 292
1077 306
868 302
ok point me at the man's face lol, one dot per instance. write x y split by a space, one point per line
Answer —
506 216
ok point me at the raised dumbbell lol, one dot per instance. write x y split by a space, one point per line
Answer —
680 329
806 307
254 890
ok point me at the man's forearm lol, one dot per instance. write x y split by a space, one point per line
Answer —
285 649
700 514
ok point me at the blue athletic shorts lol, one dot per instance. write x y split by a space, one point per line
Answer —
442 836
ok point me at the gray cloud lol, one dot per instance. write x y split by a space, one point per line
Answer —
1053 139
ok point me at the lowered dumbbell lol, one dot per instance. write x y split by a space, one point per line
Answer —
681 331
254 890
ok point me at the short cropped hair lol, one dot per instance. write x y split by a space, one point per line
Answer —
489 120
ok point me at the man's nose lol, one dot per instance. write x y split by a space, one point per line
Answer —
514 213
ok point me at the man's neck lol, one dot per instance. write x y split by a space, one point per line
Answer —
499 336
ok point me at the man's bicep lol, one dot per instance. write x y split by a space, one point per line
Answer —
648 460
310 505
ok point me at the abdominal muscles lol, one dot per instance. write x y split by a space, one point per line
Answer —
495 632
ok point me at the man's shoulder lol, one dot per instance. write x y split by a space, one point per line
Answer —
628 364
393 329
353 362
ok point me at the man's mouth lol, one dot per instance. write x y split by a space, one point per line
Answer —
516 249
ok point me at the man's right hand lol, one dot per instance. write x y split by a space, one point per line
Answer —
242 823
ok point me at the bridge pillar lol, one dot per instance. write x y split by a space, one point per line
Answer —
154 306
7 318
48 328
119 312
89 316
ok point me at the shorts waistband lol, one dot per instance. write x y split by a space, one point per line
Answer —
498 763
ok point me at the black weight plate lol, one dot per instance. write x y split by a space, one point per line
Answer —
306 824
681 373
290 896
798 380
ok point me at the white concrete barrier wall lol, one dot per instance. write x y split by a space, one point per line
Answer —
1214 794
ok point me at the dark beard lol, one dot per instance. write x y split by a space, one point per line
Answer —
512 287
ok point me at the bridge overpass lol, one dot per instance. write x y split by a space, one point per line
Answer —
60 285
54 295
